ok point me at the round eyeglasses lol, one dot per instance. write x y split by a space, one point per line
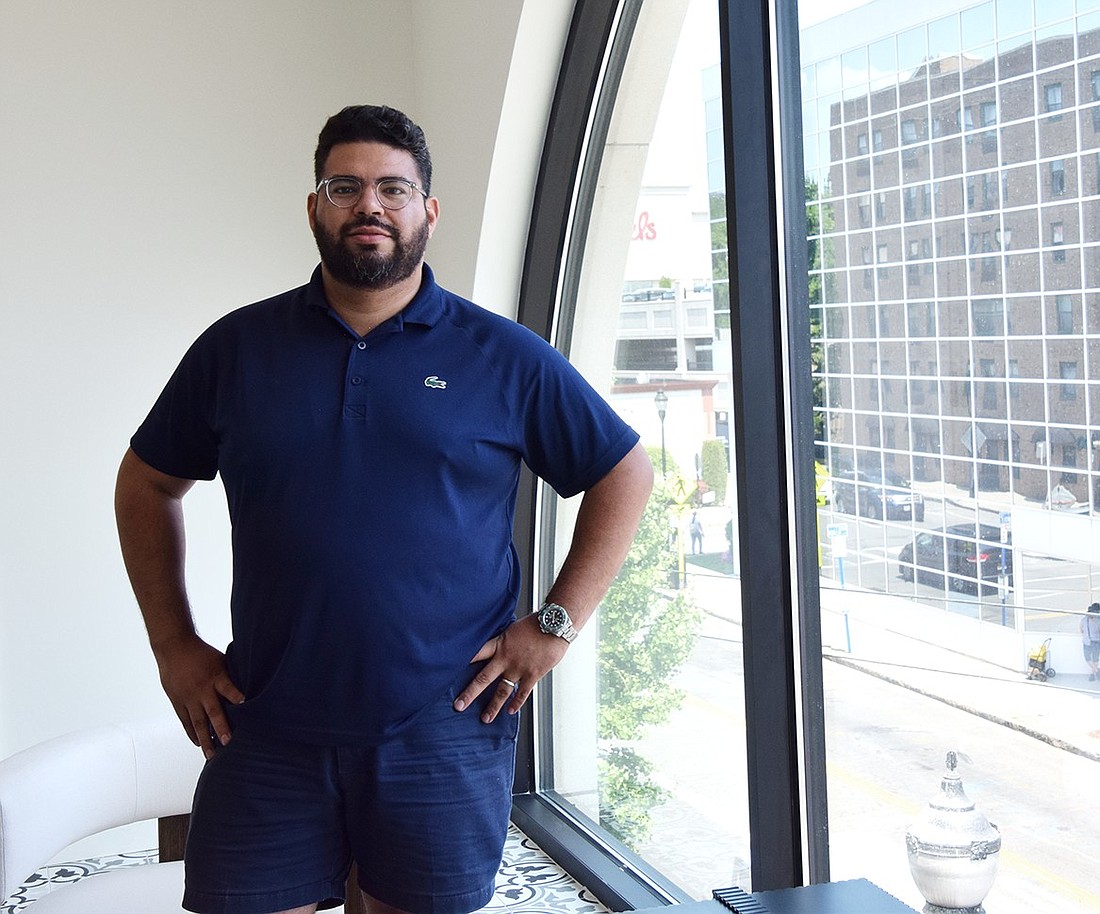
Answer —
393 193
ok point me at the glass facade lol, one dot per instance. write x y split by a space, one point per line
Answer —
952 214
948 173
950 156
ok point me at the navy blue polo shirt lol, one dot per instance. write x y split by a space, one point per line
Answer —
371 485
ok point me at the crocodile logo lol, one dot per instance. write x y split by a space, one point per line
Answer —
433 381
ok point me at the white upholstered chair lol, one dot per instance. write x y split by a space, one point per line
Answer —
81 783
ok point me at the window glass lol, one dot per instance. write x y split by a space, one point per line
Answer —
648 730
963 516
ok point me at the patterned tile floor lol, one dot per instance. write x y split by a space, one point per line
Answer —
529 882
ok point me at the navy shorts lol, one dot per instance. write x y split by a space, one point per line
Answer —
276 824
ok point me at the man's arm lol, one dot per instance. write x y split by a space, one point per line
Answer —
606 523
149 514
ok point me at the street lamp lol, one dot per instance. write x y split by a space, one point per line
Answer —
662 407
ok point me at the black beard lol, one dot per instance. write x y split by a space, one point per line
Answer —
369 269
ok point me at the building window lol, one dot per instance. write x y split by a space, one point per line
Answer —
1057 239
880 207
1057 177
861 144
1053 94
864 206
988 114
988 315
876 140
989 190
921 317
1064 311
1067 371
987 369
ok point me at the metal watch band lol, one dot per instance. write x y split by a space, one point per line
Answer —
565 629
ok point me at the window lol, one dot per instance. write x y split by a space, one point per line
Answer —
990 391
909 203
988 112
921 318
1067 371
861 144
1057 178
1064 310
1053 96
1058 238
988 316
958 330
599 763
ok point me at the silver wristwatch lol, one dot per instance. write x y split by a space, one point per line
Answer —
554 620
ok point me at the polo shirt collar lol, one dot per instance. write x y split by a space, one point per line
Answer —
426 307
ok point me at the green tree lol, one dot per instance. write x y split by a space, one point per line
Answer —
819 220
715 468
646 634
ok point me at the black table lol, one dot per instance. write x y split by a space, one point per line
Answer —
854 896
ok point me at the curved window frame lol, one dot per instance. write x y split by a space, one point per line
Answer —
771 356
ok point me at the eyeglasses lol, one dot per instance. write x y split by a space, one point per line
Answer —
392 193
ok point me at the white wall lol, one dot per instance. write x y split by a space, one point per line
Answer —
154 169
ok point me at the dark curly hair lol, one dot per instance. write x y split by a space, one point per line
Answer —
374 124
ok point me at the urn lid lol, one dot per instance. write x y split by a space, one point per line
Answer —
951 826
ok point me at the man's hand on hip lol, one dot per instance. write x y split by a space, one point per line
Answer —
195 679
517 658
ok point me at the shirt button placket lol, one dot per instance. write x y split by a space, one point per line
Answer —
355 391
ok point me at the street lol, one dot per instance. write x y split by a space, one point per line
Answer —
1048 593
886 747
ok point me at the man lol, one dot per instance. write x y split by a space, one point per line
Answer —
368 428
1090 639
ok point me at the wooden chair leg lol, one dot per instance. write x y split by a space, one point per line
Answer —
354 898
172 836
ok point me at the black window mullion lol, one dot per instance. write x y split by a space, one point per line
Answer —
763 460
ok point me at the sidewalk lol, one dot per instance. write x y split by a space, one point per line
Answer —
860 632
1063 711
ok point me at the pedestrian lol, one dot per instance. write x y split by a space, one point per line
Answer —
1090 636
368 428
695 528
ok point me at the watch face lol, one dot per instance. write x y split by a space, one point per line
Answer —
552 619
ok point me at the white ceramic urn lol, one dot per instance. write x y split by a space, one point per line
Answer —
953 849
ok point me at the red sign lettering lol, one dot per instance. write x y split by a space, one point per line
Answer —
644 230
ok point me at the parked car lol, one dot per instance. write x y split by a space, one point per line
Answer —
876 495
968 554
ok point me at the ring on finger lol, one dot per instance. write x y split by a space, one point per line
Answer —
508 682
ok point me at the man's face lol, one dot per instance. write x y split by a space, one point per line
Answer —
367 246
